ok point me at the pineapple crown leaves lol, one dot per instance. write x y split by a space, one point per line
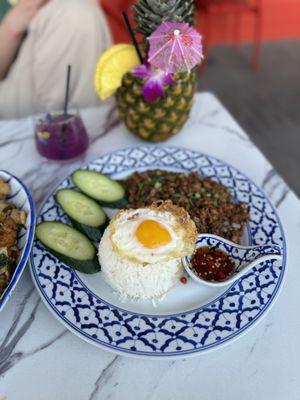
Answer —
151 13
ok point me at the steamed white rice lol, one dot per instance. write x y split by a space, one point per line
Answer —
137 281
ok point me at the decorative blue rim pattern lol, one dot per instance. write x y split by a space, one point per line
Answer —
22 199
207 327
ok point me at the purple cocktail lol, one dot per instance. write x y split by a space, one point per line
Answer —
61 137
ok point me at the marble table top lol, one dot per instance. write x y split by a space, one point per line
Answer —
41 360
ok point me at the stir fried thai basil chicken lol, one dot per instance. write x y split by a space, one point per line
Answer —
209 203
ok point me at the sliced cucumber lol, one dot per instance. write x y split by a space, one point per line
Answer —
81 208
94 234
107 192
85 213
69 246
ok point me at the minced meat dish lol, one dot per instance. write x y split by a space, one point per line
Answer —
209 203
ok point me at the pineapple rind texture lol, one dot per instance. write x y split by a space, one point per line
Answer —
151 13
158 120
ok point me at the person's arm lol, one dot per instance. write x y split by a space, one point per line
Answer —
9 45
12 30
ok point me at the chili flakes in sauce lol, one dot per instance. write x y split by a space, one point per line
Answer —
212 264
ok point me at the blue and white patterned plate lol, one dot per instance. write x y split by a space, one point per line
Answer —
191 319
21 198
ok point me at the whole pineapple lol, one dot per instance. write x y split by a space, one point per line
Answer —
158 120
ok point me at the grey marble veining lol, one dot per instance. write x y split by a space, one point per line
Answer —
275 187
41 360
104 377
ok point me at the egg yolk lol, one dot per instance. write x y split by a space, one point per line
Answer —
152 234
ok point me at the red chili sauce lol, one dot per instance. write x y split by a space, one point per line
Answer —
212 264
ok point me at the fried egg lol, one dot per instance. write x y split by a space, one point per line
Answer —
153 234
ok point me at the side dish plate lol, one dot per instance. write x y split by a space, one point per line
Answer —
21 198
189 320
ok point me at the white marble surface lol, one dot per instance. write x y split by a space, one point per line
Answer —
41 360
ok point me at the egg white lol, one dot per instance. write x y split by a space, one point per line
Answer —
127 245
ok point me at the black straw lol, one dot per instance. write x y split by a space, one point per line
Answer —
67 90
135 43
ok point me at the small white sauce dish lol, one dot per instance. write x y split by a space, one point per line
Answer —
244 257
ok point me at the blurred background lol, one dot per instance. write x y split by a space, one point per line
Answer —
260 82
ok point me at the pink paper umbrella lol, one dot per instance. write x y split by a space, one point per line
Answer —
175 47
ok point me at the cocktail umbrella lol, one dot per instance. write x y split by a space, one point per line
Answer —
175 47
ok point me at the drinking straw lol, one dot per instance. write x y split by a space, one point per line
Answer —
134 41
69 70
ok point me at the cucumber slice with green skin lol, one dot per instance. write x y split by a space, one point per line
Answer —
69 246
94 234
87 267
107 192
85 214
123 203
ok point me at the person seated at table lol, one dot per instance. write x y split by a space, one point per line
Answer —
38 39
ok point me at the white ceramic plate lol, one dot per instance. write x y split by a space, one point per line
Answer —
21 198
191 319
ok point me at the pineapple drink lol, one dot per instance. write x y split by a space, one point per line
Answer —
157 120
161 111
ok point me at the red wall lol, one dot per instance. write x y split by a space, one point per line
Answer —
281 20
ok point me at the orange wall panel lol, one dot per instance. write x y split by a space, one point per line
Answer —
280 20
